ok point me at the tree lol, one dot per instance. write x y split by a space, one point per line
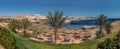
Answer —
25 23
101 20
56 21
7 39
14 24
108 27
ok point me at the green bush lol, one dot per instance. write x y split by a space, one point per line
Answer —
26 35
99 35
110 43
6 39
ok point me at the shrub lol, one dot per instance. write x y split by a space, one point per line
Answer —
108 27
26 35
110 43
14 24
6 39
98 34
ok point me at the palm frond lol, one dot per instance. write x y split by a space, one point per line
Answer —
56 20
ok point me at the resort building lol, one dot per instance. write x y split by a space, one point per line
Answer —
35 18
31 16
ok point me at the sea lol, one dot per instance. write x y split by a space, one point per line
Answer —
77 24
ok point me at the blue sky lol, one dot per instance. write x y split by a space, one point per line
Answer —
93 8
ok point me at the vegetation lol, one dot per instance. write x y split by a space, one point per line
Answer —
25 23
5 19
14 24
6 39
101 20
56 21
24 43
108 27
110 43
37 31
117 40
98 34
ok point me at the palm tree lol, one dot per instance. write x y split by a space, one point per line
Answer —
101 20
108 27
56 21
25 23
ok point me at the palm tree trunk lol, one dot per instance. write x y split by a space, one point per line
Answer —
56 37
100 29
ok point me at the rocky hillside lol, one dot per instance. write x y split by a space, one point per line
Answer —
116 25
1 47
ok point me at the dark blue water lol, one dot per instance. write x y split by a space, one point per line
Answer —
90 22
